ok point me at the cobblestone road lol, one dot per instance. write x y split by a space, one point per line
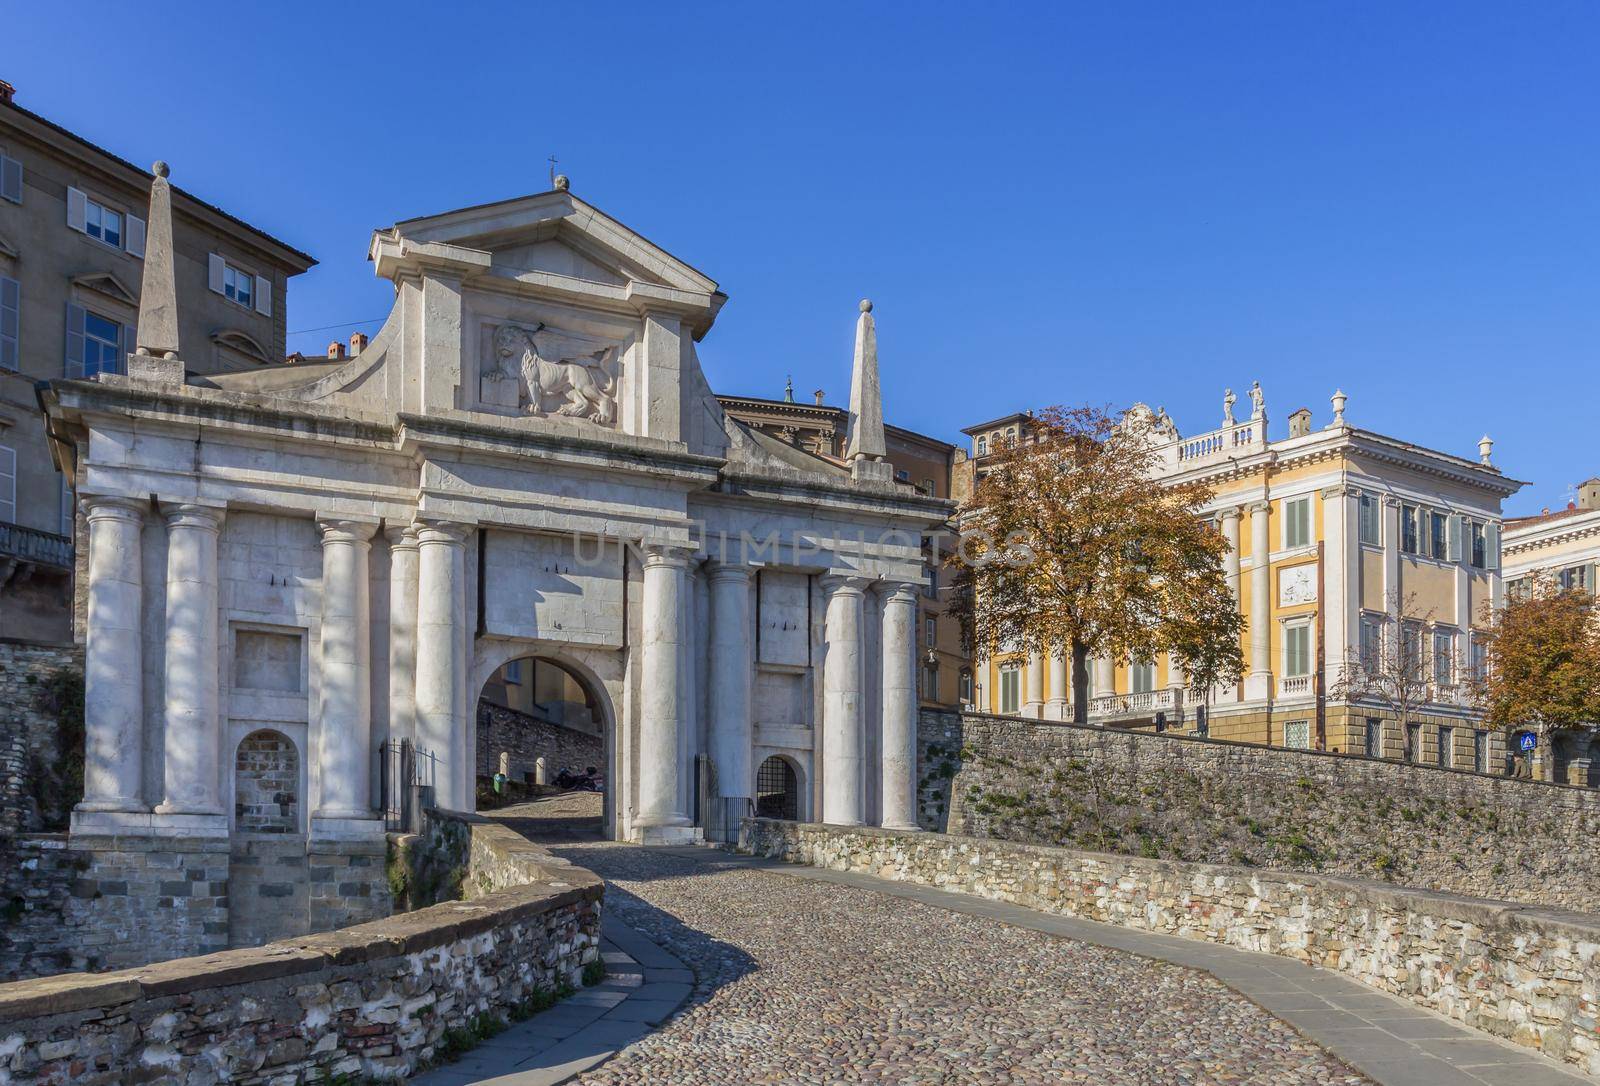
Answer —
802 982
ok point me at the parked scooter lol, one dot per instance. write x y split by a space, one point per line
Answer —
587 781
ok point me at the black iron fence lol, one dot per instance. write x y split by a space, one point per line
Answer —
408 780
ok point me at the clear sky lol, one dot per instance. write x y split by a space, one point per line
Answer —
1048 204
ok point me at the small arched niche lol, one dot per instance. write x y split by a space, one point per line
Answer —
266 784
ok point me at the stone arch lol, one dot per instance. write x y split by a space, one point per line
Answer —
268 792
778 788
591 669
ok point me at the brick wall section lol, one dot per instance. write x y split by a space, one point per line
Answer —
372 1002
526 738
1185 798
110 903
267 784
28 733
1529 975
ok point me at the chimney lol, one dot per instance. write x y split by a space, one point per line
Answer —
336 349
358 343
1300 422
7 92
818 395
1589 493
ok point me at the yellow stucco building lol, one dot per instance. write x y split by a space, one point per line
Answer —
1341 538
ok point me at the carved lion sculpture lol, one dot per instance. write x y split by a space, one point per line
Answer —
582 383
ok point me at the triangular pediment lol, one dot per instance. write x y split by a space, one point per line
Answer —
557 233
107 284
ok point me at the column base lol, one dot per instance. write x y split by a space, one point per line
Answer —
1056 709
900 827
1034 710
1258 686
668 835
325 828
149 824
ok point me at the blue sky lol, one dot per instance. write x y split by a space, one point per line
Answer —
1048 204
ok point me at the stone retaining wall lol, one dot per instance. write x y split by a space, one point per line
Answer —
1181 797
373 1002
1529 975
34 793
527 738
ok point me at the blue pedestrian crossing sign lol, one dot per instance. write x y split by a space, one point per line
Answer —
1527 740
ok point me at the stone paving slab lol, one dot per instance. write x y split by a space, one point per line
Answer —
1395 1042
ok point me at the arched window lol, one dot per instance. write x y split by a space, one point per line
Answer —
777 790
983 446
266 784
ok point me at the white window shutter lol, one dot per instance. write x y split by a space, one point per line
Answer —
10 324
74 340
263 293
135 245
8 484
10 179
1455 529
214 273
77 210
1491 546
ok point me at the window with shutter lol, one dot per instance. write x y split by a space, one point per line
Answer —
77 209
1371 525
264 295
215 266
68 510
8 484
1297 650
135 244
10 179
10 324
1297 523
75 344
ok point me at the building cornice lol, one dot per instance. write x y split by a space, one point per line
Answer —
1522 539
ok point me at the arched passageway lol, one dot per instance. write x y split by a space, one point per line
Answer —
777 789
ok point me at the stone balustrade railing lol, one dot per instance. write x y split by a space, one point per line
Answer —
1527 974
1295 686
373 1002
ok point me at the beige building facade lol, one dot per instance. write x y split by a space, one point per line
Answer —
1342 540
72 247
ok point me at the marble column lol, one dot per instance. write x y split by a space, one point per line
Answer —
1341 580
1258 682
403 552
344 727
1230 563
1105 677
843 704
1059 705
193 745
441 669
113 694
662 716
732 668
898 761
1033 691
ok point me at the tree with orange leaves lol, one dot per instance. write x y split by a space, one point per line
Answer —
1070 542
1543 656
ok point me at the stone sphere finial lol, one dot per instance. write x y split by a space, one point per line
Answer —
562 183
866 305
161 169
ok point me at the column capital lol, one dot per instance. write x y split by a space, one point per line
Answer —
1262 505
1232 512
719 572
193 515
1338 490
675 555
343 529
442 531
897 591
844 584
402 537
112 507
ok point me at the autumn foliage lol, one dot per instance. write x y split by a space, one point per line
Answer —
1069 541
1543 661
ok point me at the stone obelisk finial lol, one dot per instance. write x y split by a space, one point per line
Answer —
864 448
157 334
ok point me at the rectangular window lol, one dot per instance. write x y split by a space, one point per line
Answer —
1519 588
8 484
101 222
102 345
238 285
1297 650
1297 523
930 682
1438 535
10 324
1408 529
1480 751
1480 548
964 687
1411 651
1141 677
983 446
1371 642
1444 657
1413 736
10 179
1371 519
1374 737
1297 734
69 510
512 672
930 631
1478 658
1576 578
1010 690
1447 747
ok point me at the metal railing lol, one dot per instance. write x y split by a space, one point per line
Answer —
32 545
407 784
